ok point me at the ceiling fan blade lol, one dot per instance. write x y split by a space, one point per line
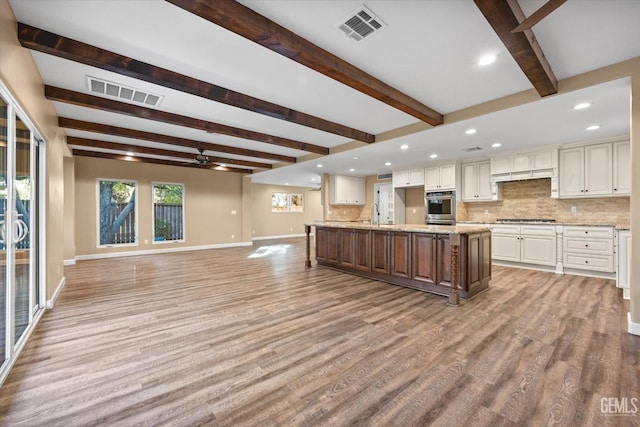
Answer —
537 16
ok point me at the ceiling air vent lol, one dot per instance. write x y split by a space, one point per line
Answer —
469 150
361 24
115 90
386 175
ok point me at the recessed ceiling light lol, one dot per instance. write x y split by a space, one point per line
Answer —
352 170
487 59
582 106
496 145
593 127
313 179
404 146
286 183
387 164
319 165
130 154
433 156
355 157
470 131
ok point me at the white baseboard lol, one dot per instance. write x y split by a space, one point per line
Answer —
160 251
51 302
284 236
634 328
69 262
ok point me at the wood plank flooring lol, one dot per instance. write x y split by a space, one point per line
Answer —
246 336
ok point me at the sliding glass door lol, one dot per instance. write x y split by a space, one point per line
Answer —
20 298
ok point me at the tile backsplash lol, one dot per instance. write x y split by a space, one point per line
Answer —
531 199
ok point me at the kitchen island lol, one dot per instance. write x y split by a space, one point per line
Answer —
454 261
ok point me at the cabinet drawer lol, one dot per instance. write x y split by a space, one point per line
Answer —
538 230
591 232
588 246
505 229
589 262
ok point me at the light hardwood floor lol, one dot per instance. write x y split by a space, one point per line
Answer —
247 336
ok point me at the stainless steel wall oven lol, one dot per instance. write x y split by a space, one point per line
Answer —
440 207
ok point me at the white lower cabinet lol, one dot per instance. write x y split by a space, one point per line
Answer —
530 244
588 248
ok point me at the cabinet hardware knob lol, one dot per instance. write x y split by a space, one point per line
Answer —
586 246
586 262
615 189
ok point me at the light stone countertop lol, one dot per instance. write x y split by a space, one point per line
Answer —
413 228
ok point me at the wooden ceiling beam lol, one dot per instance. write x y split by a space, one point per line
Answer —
86 153
538 15
90 101
62 47
505 15
245 22
137 149
68 123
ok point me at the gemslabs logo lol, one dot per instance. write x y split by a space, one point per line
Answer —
619 406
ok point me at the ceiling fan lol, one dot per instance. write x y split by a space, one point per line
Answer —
201 159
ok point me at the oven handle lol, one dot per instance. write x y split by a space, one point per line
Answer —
439 198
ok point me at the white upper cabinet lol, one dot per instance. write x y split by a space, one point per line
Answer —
408 178
572 172
621 168
439 178
527 165
476 181
590 171
347 190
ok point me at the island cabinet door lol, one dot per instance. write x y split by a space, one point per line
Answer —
321 244
478 260
333 245
346 246
473 261
424 258
443 257
362 248
401 254
380 252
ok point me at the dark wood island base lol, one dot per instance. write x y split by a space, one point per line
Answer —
415 256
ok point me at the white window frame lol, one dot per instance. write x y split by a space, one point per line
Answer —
137 237
153 213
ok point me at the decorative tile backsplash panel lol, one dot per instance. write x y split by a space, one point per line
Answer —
531 199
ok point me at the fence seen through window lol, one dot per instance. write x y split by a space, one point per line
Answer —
168 212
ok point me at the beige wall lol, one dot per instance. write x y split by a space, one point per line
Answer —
211 197
19 73
69 209
531 199
414 205
267 223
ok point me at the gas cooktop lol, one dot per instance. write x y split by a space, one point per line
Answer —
534 220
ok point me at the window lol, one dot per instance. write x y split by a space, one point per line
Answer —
283 202
168 212
117 212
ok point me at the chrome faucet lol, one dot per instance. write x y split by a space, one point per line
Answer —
377 211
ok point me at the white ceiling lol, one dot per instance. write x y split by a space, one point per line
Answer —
429 51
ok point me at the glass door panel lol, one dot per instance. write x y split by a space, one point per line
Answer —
21 227
3 252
